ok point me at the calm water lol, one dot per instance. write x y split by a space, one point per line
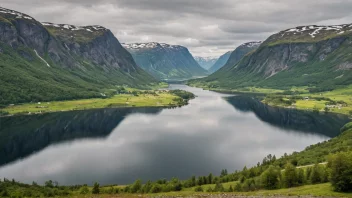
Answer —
118 146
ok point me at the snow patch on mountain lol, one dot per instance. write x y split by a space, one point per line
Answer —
251 44
150 45
314 30
17 14
75 28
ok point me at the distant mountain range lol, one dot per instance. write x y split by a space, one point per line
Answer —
46 61
165 61
315 56
206 62
220 62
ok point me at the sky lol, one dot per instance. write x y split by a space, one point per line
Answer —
206 28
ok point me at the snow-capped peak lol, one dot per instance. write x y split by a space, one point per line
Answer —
207 58
251 44
148 45
75 28
17 14
314 30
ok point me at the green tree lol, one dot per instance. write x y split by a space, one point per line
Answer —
223 173
84 190
300 177
136 186
210 178
230 189
238 187
219 187
290 176
96 189
49 184
270 178
315 175
340 166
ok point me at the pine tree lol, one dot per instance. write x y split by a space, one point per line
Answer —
96 189
290 176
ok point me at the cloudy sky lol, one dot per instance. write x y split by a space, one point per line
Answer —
206 27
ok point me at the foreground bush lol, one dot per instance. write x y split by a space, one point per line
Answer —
341 171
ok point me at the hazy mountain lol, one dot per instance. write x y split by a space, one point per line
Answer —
45 61
205 62
312 55
220 62
165 61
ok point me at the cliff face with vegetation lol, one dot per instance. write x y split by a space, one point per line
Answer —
165 61
232 58
45 61
307 55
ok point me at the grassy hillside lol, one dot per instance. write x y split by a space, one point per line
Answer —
42 62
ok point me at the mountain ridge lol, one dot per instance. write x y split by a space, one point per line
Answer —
165 61
314 56
58 62
206 62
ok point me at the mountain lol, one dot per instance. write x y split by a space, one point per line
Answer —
220 62
46 61
165 61
232 58
205 62
315 56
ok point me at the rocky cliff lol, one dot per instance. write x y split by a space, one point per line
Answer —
60 59
302 56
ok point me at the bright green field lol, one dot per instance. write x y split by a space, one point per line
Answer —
314 190
307 190
122 100
340 94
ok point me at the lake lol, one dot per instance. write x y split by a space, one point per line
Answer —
117 146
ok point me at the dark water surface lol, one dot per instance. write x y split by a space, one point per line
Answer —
118 146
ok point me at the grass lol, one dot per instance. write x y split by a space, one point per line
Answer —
340 94
121 100
324 189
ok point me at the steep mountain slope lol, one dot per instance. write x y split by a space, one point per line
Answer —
205 62
317 56
220 62
45 61
165 61
239 53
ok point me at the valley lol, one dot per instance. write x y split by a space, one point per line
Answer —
130 108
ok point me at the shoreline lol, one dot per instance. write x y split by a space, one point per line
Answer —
159 99
264 94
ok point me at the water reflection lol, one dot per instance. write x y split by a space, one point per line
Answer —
327 124
205 136
25 135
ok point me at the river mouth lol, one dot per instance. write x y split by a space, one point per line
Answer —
117 146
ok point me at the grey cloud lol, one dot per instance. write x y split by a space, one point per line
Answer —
212 26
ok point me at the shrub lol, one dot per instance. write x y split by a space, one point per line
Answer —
198 189
340 166
96 189
270 178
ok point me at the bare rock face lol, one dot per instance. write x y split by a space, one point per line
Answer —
232 58
302 56
81 56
